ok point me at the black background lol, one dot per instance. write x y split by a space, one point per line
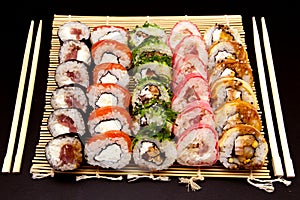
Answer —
282 22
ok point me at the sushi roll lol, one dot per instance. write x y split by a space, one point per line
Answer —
220 32
73 30
154 149
112 51
180 30
108 94
111 149
198 146
235 112
193 113
74 50
243 147
65 120
226 89
140 33
109 118
72 72
69 96
194 87
102 32
152 49
65 152
229 67
111 73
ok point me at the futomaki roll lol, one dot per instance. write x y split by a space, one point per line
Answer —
72 72
65 152
111 73
102 32
109 118
111 149
111 51
65 120
73 30
74 50
198 146
108 94
69 96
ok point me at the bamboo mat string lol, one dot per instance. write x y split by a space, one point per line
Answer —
191 182
134 177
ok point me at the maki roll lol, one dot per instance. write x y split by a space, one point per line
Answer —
154 149
227 89
65 152
108 94
103 32
74 30
111 73
72 72
74 50
140 33
111 51
69 96
110 149
65 120
198 146
243 147
109 118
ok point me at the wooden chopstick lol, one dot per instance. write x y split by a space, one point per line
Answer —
21 144
276 160
289 169
14 126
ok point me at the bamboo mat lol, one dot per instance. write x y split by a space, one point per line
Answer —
40 167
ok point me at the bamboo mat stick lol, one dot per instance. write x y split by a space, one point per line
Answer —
14 126
19 154
276 161
278 111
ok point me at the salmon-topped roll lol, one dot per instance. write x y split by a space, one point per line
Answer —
113 32
111 51
110 149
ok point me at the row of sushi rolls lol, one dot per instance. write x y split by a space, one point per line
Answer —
151 99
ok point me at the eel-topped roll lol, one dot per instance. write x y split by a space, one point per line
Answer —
243 147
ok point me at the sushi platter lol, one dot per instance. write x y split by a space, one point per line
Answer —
215 164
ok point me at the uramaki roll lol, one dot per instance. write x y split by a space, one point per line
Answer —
73 30
243 147
102 32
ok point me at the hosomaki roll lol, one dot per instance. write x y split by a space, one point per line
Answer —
229 67
235 112
108 118
110 149
65 120
65 152
73 30
243 147
193 113
72 72
153 149
108 94
74 50
111 73
69 96
180 30
111 51
198 146
226 89
102 32
140 33
193 87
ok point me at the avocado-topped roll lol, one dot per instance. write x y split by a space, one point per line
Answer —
102 32
140 33
154 149
227 89
235 112
111 149
243 147
73 30
152 49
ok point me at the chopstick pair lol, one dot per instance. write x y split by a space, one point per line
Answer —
276 160
8 160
